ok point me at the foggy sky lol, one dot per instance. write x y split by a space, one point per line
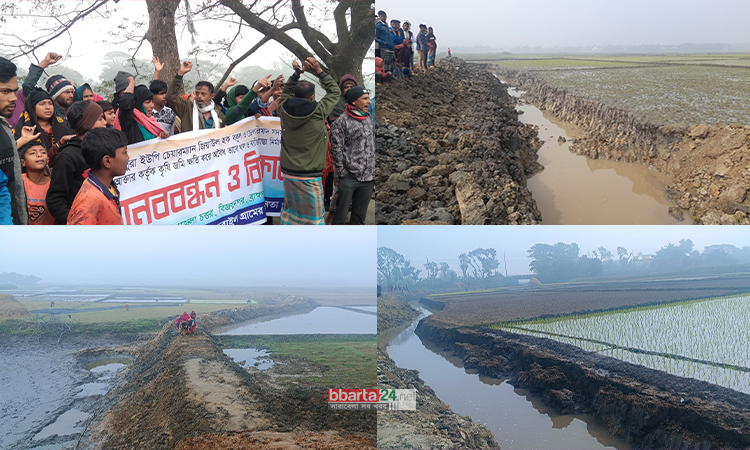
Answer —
444 244
193 256
588 23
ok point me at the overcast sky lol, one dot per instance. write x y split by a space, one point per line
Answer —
444 244
88 39
193 256
587 23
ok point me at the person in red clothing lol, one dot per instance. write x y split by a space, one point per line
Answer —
34 160
98 202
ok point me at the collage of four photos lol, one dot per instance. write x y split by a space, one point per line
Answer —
613 316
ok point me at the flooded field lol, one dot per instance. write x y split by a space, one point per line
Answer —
573 189
517 419
321 320
687 89
698 339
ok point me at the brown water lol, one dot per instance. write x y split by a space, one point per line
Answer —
576 190
517 419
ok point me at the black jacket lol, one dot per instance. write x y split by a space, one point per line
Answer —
67 178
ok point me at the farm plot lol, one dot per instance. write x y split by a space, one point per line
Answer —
666 90
706 340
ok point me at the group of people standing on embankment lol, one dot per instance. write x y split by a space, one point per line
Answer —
394 48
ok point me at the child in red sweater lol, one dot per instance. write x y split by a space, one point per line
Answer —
98 202
36 177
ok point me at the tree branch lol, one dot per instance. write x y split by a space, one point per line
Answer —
81 15
310 38
255 48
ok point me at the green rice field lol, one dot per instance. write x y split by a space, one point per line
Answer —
666 89
707 340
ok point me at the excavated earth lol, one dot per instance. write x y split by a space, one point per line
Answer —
433 425
451 150
647 408
709 165
183 392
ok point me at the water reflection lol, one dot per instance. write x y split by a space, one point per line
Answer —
517 419
321 320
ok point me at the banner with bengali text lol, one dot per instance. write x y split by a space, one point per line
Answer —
229 176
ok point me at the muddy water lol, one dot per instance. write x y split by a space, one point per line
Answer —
575 190
321 320
66 424
252 357
516 418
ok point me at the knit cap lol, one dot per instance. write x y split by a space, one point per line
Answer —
56 85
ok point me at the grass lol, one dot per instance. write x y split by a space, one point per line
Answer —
346 361
55 326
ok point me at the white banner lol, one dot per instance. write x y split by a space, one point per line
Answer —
229 176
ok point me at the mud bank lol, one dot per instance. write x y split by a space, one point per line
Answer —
393 312
433 425
183 392
648 408
707 164
451 150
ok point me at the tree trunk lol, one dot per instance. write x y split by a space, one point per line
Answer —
162 36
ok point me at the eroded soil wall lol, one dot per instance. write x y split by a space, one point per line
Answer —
708 164
649 408
451 150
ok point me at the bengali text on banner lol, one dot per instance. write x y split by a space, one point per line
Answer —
229 176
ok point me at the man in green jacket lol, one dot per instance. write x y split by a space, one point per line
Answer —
304 144
199 114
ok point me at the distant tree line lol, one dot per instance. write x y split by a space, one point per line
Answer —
17 278
555 263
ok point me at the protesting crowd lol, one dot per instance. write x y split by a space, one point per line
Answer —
394 48
62 146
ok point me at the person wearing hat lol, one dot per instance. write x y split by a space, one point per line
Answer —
384 40
353 153
48 126
398 41
61 90
30 82
67 176
135 117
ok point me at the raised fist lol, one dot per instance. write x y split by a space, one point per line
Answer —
185 67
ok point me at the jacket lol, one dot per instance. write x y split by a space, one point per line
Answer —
6 218
235 111
353 147
184 108
422 42
67 178
383 36
304 136
10 165
95 205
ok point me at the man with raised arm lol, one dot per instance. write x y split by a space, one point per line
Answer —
200 113
62 92
304 143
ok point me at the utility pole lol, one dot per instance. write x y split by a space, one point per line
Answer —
505 263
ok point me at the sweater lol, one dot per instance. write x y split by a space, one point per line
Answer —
304 136
10 165
353 147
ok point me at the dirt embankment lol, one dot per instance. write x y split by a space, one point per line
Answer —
708 164
393 312
648 408
11 308
183 392
433 425
451 150
231 316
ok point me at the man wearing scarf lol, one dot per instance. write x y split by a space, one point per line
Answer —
136 114
353 153
200 113
53 138
70 166
304 144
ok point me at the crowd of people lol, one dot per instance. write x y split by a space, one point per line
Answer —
63 145
394 48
